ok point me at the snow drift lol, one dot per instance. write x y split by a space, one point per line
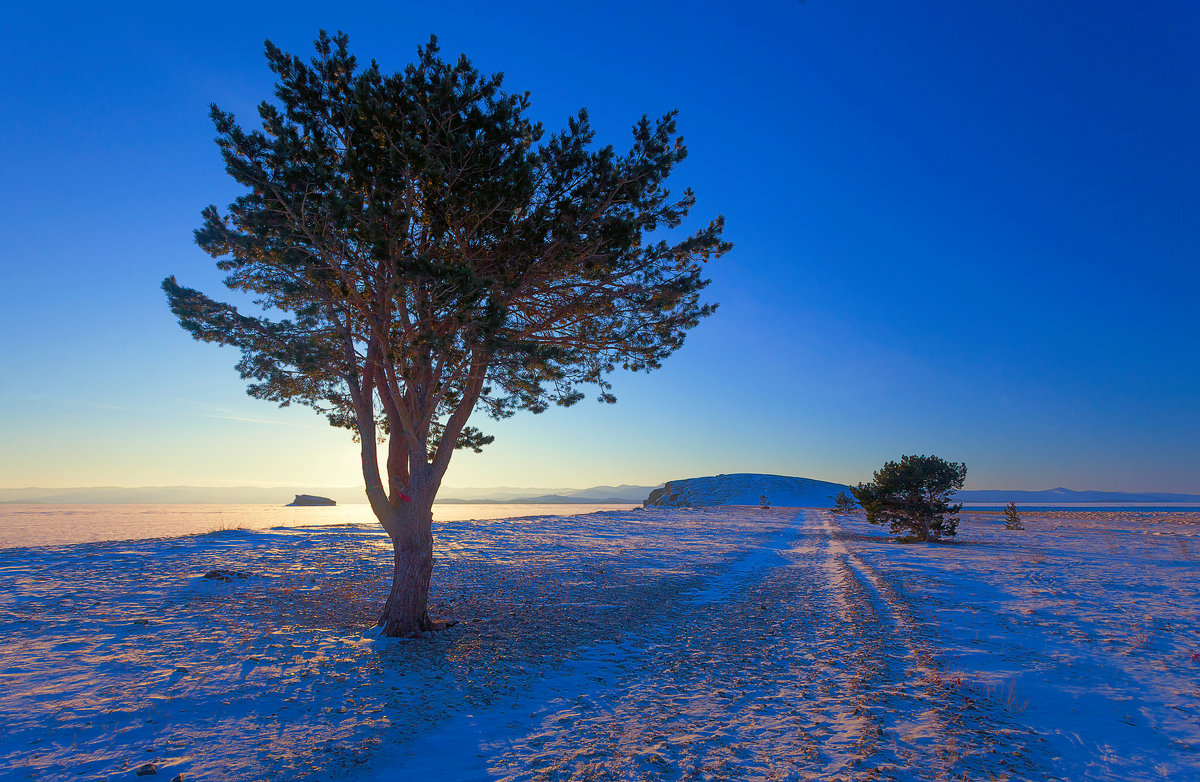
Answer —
745 489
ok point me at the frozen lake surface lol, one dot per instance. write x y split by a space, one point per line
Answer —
52 525
724 643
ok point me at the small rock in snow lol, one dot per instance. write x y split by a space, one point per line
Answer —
146 770
225 575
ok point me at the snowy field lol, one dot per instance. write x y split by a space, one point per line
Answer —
721 643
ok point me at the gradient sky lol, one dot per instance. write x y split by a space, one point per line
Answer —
968 229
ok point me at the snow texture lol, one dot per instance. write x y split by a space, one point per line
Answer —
720 643
745 489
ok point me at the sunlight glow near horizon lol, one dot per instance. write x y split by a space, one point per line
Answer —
966 231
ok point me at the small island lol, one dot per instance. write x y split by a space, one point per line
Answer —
309 499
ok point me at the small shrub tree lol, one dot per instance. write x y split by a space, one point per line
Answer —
1012 519
912 496
843 503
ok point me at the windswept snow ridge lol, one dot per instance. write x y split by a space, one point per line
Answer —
745 489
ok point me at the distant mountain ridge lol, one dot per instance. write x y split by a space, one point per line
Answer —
745 488
1069 495
625 493
281 495
546 499
176 495
599 495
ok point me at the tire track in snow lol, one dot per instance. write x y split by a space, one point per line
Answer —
928 726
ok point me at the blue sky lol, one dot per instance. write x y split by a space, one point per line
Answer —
968 229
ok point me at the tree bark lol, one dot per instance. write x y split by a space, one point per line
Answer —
405 612
410 523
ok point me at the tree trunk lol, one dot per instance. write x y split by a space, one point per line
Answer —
405 613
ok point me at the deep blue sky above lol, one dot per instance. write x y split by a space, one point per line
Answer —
968 229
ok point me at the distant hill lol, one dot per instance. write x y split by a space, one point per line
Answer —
745 489
1069 495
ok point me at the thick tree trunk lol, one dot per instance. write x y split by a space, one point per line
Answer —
405 612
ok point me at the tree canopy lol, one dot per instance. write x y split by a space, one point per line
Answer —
912 496
417 249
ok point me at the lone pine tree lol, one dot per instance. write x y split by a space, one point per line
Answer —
421 252
1012 517
912 496
843 503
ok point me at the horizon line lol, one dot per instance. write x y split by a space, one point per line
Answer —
445 488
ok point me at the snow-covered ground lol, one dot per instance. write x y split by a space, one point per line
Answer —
720 643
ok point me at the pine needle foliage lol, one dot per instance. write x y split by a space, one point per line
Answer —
1012 518
912 496
843 503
